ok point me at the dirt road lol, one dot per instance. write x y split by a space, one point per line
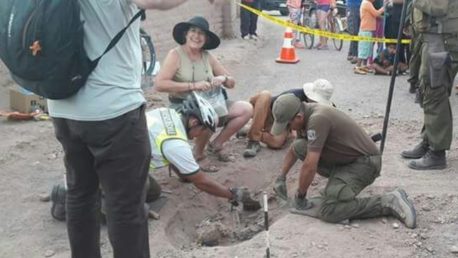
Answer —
31 162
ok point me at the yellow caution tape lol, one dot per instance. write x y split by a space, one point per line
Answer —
328 34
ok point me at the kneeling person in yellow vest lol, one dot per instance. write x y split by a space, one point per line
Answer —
169 132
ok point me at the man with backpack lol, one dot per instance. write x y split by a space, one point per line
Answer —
102 129
55 49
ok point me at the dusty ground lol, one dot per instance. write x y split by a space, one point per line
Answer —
31 162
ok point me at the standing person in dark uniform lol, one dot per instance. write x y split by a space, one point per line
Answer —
392 23
416 26
354 21
249 20
439 55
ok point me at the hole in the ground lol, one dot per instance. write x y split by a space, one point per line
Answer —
208 222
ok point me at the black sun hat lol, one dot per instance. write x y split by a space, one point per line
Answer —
200 22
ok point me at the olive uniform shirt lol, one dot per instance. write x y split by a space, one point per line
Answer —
339 138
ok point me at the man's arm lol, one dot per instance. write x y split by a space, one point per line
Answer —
160 4
435 8
179 153
308 171
208 185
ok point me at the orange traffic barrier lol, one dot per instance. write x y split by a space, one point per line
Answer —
288 53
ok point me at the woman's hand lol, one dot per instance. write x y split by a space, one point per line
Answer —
202 86
334 11
218 80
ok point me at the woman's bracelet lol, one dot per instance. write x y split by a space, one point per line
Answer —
226 79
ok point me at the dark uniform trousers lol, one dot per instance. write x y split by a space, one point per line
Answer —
249 20
438 121
114 154
345 182
415 59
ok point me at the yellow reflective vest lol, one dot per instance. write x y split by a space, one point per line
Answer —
163 124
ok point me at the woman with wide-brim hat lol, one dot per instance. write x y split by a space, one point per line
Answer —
190 67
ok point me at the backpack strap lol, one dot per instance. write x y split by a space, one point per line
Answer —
116 38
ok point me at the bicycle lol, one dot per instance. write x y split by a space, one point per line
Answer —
148 58
309 19
334 25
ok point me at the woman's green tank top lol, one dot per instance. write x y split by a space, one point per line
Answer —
191 71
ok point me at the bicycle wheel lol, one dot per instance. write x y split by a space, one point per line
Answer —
336 27
148 54
308 38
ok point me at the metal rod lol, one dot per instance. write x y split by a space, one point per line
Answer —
266 224
393 76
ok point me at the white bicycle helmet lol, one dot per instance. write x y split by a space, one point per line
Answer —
199 107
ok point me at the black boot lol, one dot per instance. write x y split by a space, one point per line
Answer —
413 87
58 202
431 160
417 96
153 189
417 152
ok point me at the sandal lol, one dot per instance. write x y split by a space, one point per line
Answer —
206 166
360 71
323 47
219 154
367 69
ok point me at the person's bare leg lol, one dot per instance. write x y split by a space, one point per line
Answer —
322 24
379 69
239 114
403 67
274 141
200 143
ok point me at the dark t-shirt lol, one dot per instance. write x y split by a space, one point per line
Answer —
299 92
378 4
384 55
393 21
339 138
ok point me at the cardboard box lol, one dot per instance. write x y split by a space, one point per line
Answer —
25 101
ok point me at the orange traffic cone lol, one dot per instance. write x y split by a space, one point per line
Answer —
288 53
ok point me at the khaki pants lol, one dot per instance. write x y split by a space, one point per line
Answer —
345 182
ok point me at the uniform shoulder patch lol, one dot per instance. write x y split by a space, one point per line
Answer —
311 135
